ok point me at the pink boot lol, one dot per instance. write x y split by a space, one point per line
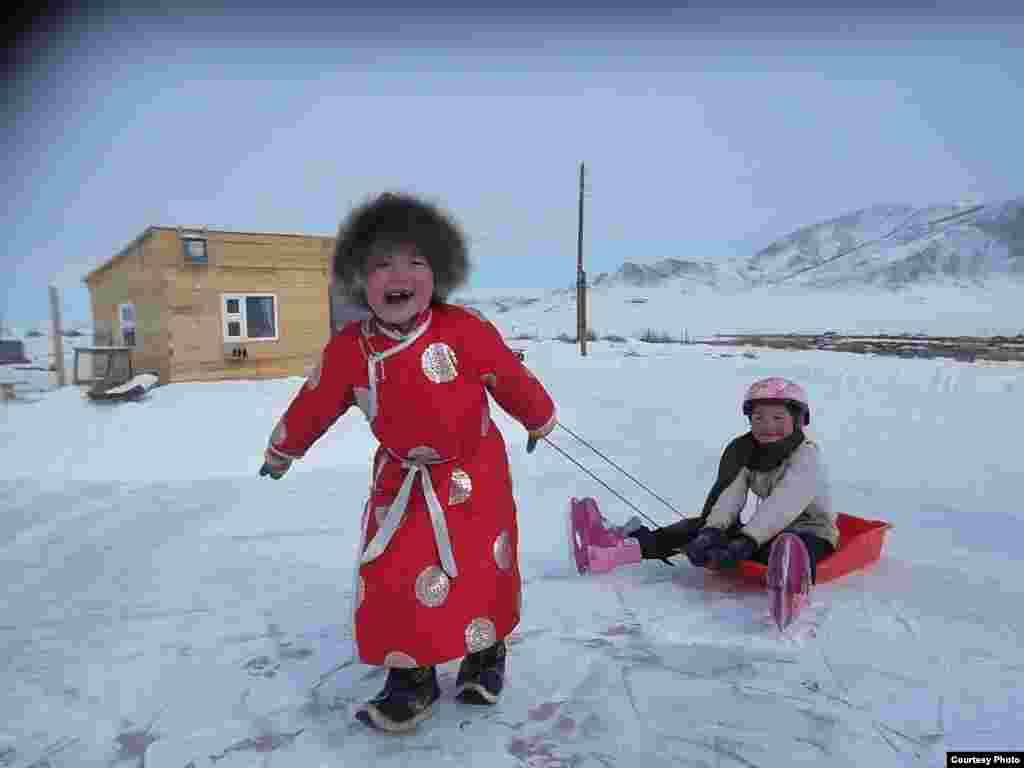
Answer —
583 531
789 578
596 547
604 559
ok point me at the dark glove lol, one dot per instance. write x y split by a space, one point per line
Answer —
533 436
740 547
652 545
681 533
274 465
705 541
266 469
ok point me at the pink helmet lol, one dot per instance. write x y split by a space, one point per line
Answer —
777 390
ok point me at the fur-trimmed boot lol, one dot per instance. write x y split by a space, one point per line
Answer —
407 699
482 675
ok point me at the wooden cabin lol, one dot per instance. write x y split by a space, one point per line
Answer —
203 305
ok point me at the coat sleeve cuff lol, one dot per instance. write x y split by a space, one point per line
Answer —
272 451
544 430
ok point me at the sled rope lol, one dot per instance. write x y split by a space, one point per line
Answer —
602 482
659 498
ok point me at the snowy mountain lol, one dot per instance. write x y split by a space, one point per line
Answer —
897 246
953 269
889 246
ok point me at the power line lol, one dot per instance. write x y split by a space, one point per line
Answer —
894 231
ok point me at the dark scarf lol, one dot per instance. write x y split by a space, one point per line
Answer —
767 456
744 451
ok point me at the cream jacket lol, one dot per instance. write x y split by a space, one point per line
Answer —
794 497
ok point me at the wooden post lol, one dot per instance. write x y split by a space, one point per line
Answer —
58 340
581 278
584 314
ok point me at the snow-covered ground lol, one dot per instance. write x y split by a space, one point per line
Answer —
165 607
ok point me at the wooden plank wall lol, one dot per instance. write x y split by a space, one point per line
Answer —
294 268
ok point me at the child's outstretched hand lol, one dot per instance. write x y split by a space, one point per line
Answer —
274 465
535 436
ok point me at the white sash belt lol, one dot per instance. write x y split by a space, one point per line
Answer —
396 513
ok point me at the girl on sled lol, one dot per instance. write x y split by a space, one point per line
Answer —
774 460
438 574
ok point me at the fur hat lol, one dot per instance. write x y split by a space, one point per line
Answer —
396 219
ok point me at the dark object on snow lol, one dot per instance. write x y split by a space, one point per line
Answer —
482 676
407 699
12 351
113 376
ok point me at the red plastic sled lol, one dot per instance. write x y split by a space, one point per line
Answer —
860 545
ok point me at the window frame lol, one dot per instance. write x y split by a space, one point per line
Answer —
240 316
125 326
186 241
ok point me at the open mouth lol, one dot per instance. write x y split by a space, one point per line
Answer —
397 297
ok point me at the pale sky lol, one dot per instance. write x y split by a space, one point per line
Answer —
706 133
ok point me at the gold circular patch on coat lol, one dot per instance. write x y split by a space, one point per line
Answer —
432 586
503 551
400 660
480 634
460 487
439 363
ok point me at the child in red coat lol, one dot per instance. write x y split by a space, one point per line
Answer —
438 574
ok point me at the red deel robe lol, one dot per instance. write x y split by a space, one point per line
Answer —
439 572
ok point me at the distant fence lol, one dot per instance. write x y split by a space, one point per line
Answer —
963 348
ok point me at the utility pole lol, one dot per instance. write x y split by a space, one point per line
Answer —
58 340
581 278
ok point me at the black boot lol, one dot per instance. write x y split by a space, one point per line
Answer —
663 543
482 676
408 698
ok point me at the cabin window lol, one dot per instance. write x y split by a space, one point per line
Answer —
126 321
250 317
195 250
